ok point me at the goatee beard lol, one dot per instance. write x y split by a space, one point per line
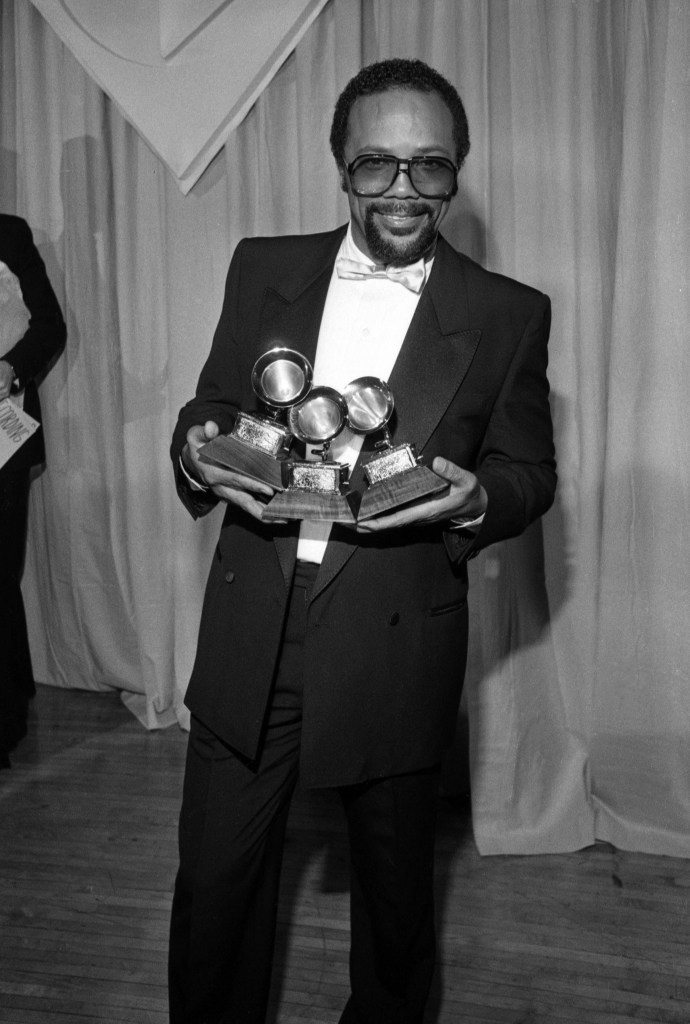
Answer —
406 249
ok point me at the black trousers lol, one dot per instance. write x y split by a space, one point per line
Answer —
232 831
16 675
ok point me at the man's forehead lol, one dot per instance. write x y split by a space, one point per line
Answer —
402 111
389 101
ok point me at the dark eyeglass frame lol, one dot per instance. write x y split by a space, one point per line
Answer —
405 166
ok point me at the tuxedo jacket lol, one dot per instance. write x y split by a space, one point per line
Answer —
45 334
387 621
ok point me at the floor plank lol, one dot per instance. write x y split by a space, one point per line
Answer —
88 817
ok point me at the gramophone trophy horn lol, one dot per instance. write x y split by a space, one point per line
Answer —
315 488
394 474
258 445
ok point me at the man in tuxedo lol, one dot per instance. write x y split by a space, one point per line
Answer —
27 345
331 652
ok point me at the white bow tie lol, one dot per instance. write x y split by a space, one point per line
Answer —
411 277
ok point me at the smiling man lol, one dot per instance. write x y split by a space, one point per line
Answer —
331 653
392 140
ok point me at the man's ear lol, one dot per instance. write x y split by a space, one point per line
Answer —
343 177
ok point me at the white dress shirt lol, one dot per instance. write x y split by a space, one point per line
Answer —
362 330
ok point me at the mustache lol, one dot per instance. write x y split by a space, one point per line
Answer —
400 208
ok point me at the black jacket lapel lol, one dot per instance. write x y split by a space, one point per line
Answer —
435 356
437 352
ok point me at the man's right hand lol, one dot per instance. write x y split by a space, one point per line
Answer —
226 484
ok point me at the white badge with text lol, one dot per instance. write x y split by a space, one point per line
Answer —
16 427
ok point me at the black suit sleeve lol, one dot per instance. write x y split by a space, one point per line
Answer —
516 463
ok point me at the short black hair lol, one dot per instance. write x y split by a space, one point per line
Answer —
398 73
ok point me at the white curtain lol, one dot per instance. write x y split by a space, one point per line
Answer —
578 682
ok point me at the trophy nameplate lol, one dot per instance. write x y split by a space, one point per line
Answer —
394 474
314 489
258 444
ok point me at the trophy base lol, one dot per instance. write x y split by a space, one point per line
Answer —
229 453
402 489
328 507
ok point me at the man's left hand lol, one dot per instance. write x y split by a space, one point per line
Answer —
466 499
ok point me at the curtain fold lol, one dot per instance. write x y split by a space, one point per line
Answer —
577 684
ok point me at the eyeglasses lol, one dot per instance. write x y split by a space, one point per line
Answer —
432 177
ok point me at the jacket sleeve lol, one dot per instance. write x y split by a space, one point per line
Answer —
516 461
46 333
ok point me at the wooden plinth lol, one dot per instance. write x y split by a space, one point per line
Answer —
229 453
403 489
296 504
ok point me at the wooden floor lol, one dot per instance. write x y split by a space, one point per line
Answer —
87 860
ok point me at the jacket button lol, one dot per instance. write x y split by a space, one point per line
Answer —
229 577
394 619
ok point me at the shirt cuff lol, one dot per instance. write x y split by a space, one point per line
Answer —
467 524
194 484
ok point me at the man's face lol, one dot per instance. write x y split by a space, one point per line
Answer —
398 227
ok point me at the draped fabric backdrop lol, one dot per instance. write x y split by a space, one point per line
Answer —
577 688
